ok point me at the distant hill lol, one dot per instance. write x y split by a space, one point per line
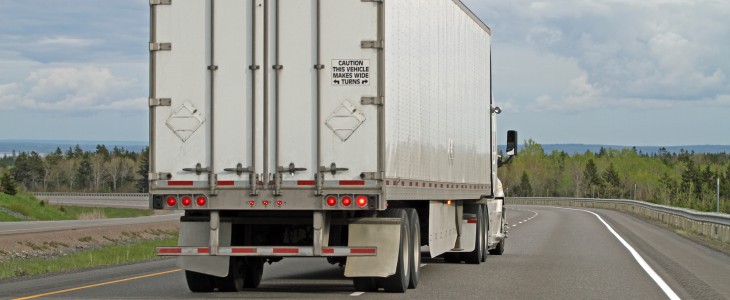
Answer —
582 148
48 146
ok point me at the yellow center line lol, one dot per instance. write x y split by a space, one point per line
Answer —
98 284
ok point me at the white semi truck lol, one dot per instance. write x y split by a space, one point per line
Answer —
362 131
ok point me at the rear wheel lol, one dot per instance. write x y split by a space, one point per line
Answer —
398 282
365 284
486 234
199 282
475 257
254 273
415 257
236 276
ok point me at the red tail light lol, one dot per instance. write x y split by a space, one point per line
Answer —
266 202
361 201
171 201
251 203
279 203
346 201
186 201
331 201
201 201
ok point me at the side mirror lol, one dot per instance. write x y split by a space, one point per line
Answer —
511 143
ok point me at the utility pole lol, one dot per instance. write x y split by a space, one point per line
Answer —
718 193
634 191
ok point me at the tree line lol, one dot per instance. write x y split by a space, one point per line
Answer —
76 170
683 179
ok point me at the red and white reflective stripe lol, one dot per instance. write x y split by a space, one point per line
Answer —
181 183
349 251
471 221
176 251
267 251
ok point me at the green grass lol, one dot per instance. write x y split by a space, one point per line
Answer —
106 256
7 218
28 205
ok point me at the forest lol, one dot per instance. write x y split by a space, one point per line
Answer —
682 179
75 170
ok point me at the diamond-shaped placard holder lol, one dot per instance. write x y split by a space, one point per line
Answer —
345 120
185 121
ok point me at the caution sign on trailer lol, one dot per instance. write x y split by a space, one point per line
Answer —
350 72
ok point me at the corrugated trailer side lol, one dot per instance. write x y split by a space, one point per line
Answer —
437 102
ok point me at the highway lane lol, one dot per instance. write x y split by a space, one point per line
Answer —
7 228
554 253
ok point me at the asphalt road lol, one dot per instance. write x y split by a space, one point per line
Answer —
46 226
552 253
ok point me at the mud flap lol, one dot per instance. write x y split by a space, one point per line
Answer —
198 234
383 233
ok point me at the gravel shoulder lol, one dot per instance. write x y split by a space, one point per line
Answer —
63 242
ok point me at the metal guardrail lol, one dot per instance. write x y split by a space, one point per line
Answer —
713 225
716 218
45 194
132 200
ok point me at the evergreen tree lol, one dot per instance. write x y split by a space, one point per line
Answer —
83 174
591 178
524 188
8 185
613 181
143 171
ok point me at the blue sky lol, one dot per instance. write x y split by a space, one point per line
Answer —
623 72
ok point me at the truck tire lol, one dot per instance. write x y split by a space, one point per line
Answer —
398 282
486 233
365 284
499 249
475 257
254 273
199 282
236 276
415 257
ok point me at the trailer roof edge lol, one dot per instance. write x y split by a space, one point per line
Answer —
473 16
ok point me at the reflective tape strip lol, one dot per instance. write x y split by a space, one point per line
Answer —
349 251
232 183
177 251
181 183
267 251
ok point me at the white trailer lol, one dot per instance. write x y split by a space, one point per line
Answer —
357 130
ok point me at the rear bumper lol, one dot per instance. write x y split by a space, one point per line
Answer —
268 251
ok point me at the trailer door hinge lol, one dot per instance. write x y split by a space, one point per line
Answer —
372 44
372 176
160 46
160 2
372 100
160 102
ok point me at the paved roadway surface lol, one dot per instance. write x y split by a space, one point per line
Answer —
45 226
552 253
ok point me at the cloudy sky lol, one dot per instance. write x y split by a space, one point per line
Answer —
625 72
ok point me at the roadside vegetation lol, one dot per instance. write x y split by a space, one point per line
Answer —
683 179
75 170
119 252
25 207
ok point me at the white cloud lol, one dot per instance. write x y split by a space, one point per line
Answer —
66 41
71 89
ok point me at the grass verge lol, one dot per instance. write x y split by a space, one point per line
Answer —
104 256
7 218
27 205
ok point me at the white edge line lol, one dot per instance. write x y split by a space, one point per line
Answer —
647 268
355 294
